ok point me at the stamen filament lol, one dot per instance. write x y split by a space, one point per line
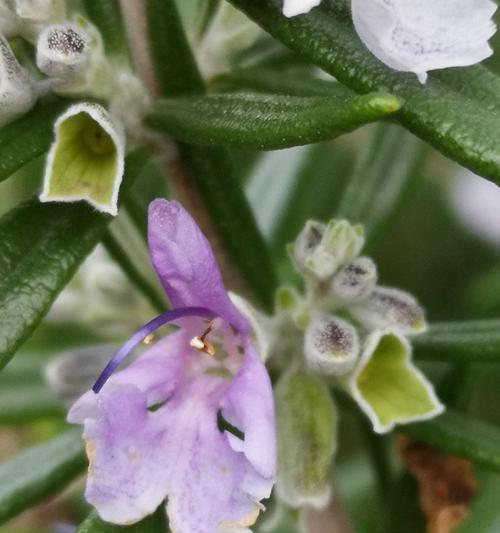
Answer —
144 331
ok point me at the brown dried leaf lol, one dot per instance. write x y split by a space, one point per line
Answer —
446 484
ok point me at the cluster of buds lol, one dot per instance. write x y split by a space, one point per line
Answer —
86 161
343 331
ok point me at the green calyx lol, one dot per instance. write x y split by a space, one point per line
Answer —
86 159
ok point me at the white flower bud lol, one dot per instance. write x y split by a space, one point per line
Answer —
355 281
291 8
331 345
320 250
62 51
307 242
17 92
390 308
423 35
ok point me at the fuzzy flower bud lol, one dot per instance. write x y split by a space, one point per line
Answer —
321 249
390 308
62 51
331 345
17 92
307 440
355 281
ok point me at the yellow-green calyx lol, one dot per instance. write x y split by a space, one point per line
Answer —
86 160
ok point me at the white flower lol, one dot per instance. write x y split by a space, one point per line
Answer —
418 36
291 8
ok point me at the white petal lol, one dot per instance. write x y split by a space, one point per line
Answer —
291 8
418 36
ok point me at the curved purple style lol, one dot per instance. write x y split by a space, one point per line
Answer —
138 337
151 431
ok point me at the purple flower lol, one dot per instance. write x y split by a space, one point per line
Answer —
153 431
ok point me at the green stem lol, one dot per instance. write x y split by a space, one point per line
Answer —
379 456
115 250
137 214
107 16
209 169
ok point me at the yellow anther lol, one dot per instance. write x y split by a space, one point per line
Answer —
149 339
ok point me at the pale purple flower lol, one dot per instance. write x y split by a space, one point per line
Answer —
152 429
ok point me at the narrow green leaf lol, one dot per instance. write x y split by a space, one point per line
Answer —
456 111
293 82
27 138
42 246
386 165
209 169
39 471
116 251
471 341
483 514
315 191
267 122
175 66
106 15
25 403
460 434
403 512
155 523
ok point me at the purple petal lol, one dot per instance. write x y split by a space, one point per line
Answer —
184 262
248 404
212 487
156 373
125 446
139 457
